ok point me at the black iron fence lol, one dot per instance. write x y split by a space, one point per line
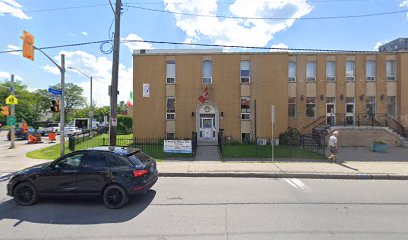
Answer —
153 147
304 146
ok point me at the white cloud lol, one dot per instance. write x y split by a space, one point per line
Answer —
279 45
13 8
84 33
7 76
378 44
236 31
13 47
404 4
51 69
136 45
100 68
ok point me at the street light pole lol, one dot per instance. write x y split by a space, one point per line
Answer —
90 100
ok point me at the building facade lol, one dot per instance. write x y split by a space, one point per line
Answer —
180 92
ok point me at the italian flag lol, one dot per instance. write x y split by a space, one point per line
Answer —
129 102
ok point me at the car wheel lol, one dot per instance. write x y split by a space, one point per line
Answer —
115 196
25 194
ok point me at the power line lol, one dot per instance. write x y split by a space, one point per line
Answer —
193 44
271 18
65 8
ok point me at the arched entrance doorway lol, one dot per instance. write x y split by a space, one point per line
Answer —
207 122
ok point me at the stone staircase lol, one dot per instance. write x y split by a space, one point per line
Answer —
207 153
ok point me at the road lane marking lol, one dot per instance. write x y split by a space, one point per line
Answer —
296 183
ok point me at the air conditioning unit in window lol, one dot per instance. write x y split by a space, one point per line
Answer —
370 78
292 79
170 116
311 79
331 79
170 80
207 80
350 78
244 79
261 141
391 78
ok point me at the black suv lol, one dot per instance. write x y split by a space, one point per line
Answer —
111 172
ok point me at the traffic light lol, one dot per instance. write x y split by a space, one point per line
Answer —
5 110
55 105
28 45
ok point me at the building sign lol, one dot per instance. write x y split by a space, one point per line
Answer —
146 90
177 146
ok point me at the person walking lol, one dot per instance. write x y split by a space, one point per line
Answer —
333 147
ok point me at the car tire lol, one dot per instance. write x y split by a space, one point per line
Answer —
115 196
25 194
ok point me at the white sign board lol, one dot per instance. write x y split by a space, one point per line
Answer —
273 114
114 122
146 89
177 146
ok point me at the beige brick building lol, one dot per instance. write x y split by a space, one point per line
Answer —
307 89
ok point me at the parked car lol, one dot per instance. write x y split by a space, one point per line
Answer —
72 131
52 127
111 172
18 133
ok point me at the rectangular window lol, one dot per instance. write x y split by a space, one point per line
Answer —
331 71
391 106
245 69
370 70
350 68
311 107
246 137
292 107
311 71
207 72
170 108
170 136
370 106
349 105
245 108
391 70
171 72
292 71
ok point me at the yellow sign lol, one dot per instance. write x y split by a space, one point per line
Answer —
11 100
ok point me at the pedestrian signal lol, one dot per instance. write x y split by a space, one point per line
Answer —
55 105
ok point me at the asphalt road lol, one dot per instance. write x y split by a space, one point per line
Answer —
223 208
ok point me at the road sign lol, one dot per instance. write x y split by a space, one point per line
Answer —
114 122
11 100
11 120
54 91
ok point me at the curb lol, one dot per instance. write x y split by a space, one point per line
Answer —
288 175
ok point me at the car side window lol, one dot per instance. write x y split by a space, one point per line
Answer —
118 161
72 161
95 160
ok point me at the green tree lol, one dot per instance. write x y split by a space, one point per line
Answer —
99 113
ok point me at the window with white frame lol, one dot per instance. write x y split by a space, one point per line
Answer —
291 71
350 68
170 136
171 72
292 107
331 71
207 72
391 70
171 108
245 108
245 137
370 70
311 107
391 106
311 71
245 70
370 106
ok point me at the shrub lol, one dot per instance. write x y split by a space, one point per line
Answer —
290 137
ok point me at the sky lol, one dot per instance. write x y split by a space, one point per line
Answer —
223 22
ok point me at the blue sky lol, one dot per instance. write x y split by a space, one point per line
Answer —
74 21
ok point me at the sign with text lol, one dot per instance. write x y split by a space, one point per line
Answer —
11 120
114 122
177 146
54 91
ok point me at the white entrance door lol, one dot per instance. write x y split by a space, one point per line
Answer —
330 111
207 129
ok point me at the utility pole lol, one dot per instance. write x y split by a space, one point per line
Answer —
12 113
115 75
62 107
